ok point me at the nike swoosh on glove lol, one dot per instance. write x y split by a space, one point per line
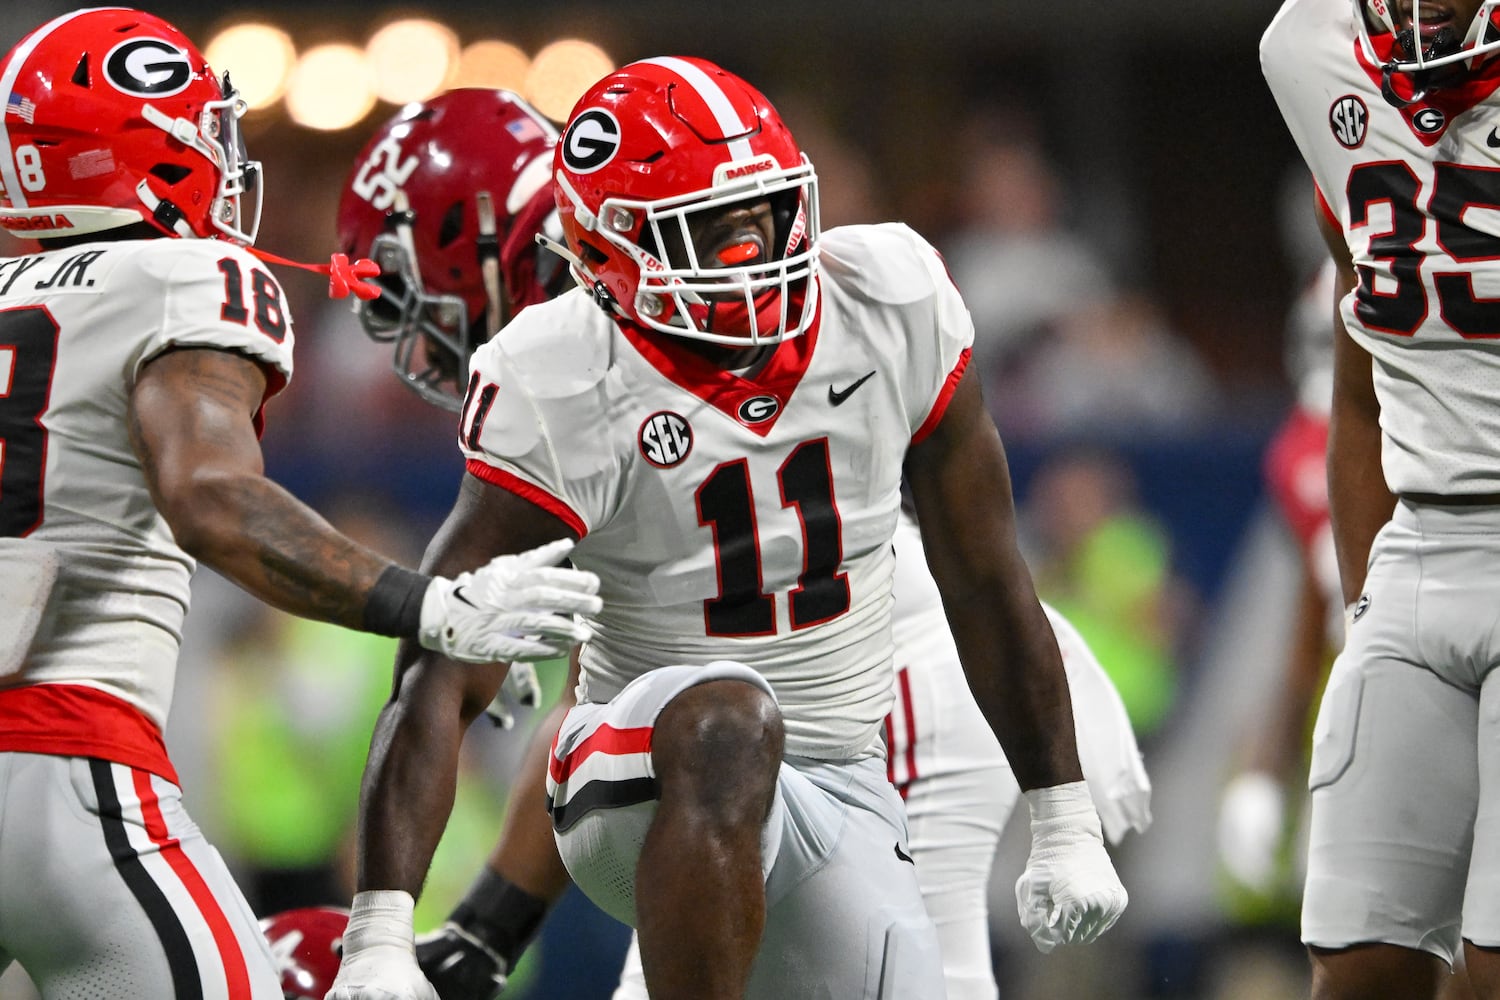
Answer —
515 607
1069 892
380 958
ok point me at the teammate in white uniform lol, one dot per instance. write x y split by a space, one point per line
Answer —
133 370
1392 106
728 440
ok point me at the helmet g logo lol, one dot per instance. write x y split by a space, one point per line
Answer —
148 67
591 141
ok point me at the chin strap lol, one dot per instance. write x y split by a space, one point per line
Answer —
343 276
1395 100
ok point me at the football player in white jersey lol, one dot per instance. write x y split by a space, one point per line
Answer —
1392 105
942 755
722 415
137 350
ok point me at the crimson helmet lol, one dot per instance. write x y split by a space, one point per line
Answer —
474 168
1411 50
648 153
306 944
111 117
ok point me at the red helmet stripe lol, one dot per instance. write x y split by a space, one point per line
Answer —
19 55
718 102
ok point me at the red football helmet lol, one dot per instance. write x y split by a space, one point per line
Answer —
306 944
648 153
474 168
111 117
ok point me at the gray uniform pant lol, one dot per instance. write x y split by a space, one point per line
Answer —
844 912
1404 840
108 889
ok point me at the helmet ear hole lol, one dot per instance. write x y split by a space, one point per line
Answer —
591 254
171 173
452 225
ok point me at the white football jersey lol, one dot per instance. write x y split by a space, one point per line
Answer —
1414 192
95 587
746 519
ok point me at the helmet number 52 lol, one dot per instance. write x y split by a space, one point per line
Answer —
382 174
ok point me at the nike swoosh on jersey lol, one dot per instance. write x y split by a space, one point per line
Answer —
837 396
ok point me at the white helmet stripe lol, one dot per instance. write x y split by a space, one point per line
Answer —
21 54
717 101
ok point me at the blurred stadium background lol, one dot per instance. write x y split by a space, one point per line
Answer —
1121 205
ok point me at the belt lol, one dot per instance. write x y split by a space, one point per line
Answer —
1454 500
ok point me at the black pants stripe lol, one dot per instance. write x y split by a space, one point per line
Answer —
186 982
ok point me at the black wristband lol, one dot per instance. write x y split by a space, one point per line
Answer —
394 606
502 915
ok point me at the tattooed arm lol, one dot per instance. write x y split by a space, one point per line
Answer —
191 424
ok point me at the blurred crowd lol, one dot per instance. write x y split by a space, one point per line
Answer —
1137 464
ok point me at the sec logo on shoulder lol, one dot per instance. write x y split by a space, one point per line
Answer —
1349 117
665 439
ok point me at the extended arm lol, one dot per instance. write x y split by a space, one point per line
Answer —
192 427
191 424
1358 500
484 936
413 763
1069 892
411 774
961 484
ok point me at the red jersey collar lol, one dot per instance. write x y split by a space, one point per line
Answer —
1477 84
725 391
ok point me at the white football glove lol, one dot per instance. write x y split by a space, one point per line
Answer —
1252 817
523 687
380 956
516 607
1069 892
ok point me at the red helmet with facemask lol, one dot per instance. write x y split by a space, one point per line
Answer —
474 169
648 153
1430 52
112 117
306 945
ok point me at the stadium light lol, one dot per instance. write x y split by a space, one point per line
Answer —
492 63
331 87
412 59
561 72
258 57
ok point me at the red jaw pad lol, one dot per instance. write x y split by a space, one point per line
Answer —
740 253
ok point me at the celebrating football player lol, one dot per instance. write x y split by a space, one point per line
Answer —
1391 103
941 754
722 415
136 352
